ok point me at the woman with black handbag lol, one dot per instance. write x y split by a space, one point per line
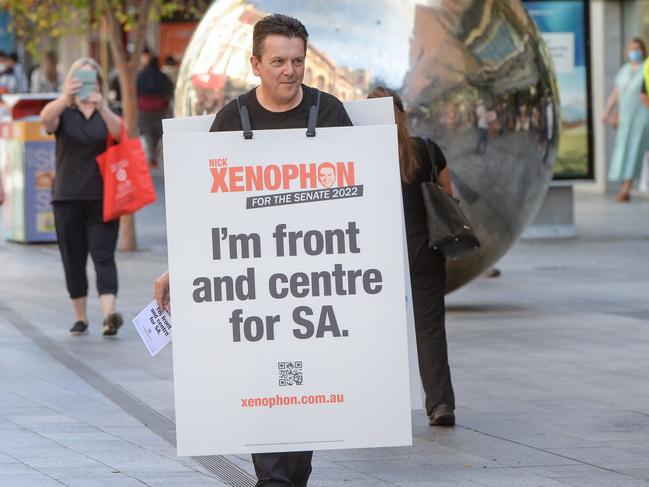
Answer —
427 266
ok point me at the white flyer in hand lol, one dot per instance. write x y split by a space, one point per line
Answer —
154 326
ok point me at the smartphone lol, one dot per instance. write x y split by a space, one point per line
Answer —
88 78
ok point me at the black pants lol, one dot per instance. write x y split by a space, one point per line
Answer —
483 138
282 469
428 280
151 128
80 229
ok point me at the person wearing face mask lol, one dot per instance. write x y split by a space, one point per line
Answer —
632 139
19 71
81 120
8 79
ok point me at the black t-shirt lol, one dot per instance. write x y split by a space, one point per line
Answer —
78 142
331 114
413 200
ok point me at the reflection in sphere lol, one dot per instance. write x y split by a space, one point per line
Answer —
474 75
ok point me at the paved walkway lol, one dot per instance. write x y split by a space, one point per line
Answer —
550 365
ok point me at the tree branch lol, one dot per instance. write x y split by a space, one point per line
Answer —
140 32
117 47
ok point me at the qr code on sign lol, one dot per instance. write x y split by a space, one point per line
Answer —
290 373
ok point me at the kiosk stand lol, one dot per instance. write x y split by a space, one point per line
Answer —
27 155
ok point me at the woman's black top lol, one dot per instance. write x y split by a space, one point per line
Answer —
413 200
78 142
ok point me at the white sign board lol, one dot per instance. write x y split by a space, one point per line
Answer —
373 111
287 277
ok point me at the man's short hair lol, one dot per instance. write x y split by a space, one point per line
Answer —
276 24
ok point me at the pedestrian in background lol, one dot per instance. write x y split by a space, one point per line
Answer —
170 68
427 266
632 138
483 127
8 79
46 78
154 91
81 129
21 76
2 191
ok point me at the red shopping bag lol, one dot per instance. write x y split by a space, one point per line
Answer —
127 181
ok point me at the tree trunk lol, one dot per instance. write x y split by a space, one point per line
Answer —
128 69
127 236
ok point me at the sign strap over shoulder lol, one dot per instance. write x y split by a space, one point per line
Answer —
313 117
245 119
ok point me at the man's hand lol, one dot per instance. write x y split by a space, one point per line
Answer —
161 292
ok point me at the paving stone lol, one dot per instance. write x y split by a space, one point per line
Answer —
17 468
28 481
114 481
193 479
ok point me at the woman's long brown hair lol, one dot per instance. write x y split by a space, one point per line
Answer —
49 67
408 160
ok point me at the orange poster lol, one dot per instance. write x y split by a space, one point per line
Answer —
174 37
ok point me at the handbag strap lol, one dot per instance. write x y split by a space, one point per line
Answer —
434 175
122 135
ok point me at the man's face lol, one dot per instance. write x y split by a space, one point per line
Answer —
327 176
281 67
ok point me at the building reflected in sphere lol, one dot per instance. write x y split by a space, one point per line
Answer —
474 75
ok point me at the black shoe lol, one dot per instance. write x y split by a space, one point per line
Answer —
79 328
443 415
493 272
112 324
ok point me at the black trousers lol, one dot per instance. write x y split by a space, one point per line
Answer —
428 280
150 124
483 138
80 229
282 469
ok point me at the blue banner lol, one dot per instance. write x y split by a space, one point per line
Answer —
563 25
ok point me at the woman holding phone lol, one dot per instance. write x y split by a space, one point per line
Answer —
80 120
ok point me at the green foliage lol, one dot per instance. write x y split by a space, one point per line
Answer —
36 20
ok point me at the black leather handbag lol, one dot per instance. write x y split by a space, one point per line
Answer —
449 230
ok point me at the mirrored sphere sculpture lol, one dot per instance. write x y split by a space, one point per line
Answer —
474 75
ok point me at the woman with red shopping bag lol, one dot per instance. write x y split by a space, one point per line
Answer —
81 121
